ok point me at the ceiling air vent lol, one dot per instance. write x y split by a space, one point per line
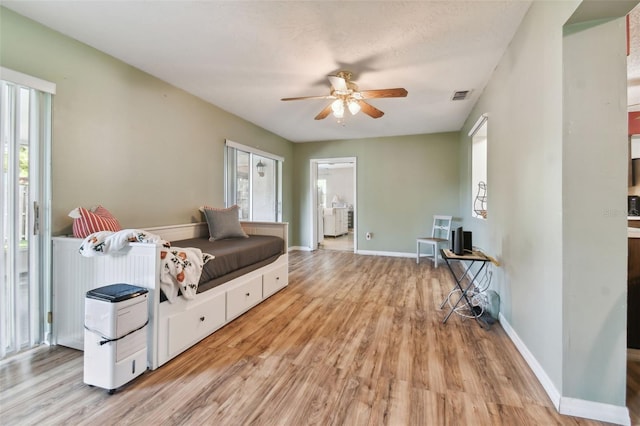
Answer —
460 95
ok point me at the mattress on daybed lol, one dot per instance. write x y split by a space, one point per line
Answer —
233 256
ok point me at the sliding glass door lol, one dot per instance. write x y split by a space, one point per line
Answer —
264 189
24 133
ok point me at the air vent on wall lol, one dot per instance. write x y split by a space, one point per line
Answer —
460 95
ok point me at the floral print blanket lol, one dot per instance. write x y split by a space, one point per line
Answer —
181 270
180 267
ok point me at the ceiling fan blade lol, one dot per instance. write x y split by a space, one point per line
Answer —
369 109
308 97
324 113
338 83
398 92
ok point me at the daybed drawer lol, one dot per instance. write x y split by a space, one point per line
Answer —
243 297
188 327
275 280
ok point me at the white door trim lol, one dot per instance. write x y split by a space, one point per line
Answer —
313 227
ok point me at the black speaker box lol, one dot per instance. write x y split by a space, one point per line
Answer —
460 245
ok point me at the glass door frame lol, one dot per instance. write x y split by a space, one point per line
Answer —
38 209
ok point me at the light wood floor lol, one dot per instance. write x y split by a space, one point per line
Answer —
342 243
353 340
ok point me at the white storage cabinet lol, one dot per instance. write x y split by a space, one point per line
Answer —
336 221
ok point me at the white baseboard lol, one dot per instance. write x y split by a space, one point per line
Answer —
595 411
565 405
385 253
535 366
364 252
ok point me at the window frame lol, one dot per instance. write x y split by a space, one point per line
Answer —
479 166
229 178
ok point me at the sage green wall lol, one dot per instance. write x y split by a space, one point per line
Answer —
152 153
149 152
401 183
553 174
594 228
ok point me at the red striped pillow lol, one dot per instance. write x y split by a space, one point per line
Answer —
89 222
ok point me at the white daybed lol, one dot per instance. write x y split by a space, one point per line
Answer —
173 327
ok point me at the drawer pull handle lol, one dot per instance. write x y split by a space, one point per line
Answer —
248 294
202 319
277 278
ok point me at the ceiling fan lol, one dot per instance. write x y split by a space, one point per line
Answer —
346 95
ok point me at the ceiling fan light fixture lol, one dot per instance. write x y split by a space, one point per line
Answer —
338 108
346 95
354 107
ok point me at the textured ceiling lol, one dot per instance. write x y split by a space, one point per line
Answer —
633 61
243 56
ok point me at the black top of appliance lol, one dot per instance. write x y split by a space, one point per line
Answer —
114 293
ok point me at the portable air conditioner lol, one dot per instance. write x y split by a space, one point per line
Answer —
115 335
